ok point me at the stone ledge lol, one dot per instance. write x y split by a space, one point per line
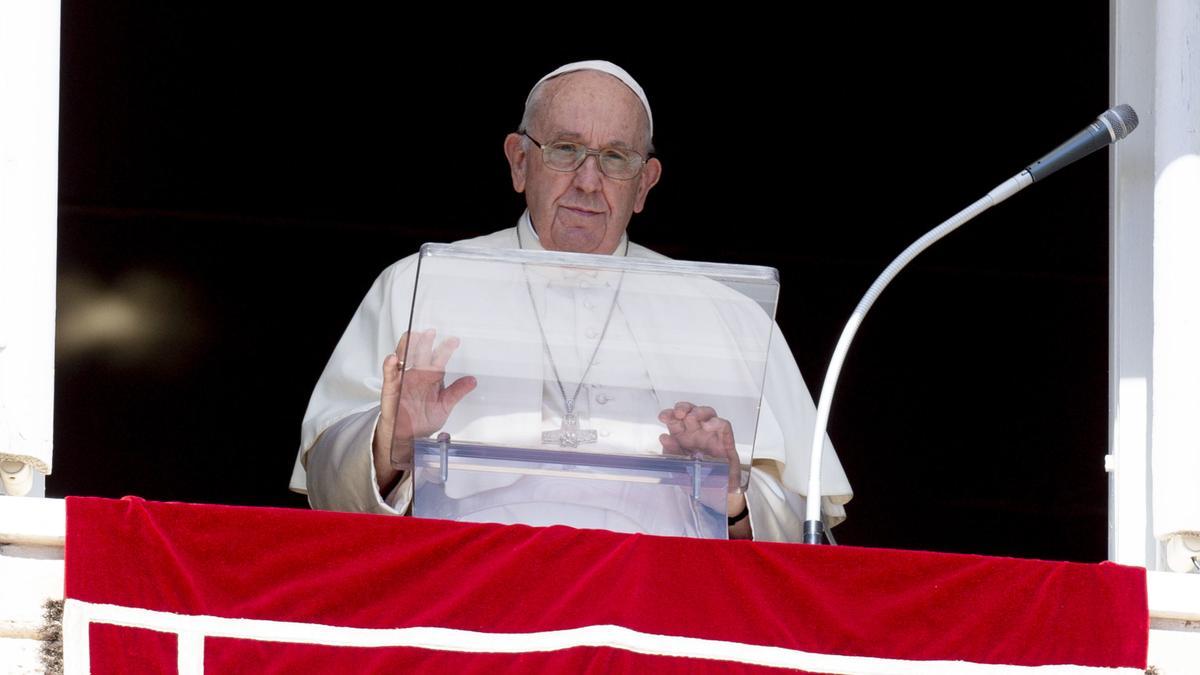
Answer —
28 582
33 521
20 656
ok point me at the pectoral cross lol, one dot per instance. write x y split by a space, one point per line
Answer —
569 435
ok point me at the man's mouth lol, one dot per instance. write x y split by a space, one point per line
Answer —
582 211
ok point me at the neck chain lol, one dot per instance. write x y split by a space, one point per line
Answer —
569 433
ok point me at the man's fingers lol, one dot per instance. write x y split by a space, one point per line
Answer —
441 355
667 417
451 395
390 390
670 444
422 356
418 349
388 400
682 409
391 367
402 346
697 429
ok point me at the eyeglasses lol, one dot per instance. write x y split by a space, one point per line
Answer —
567 156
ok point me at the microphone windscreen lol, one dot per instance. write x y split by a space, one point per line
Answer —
1122 119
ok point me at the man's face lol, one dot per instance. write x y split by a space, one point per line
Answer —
582 211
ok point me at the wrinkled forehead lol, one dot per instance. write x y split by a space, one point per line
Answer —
600 66
590 103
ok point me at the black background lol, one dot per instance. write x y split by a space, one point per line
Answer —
256 167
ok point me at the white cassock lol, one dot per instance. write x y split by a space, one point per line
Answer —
620 400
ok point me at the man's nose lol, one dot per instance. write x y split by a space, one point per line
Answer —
589 177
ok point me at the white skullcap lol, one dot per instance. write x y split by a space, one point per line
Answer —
604 67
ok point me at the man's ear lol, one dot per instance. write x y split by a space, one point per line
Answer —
514 150
646 180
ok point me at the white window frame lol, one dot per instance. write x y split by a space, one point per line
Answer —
1174 598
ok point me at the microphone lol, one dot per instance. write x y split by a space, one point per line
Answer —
1111 126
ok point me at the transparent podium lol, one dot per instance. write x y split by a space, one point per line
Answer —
593 391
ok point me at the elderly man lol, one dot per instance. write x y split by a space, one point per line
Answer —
582 157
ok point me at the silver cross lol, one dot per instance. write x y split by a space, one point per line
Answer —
569 434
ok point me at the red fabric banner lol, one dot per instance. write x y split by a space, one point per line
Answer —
247 587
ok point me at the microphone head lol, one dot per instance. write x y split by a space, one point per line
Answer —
1121 119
